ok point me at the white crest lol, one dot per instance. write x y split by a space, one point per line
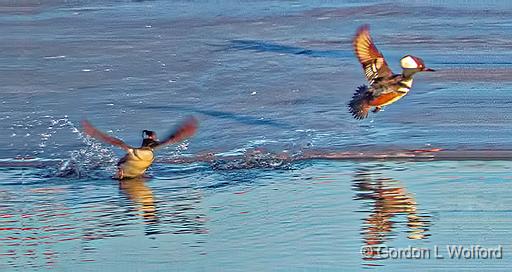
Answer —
408 62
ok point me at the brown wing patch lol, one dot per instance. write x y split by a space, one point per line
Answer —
185 130
371 59
90 130
386 99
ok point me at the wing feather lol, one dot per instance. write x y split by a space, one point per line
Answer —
373 62
185 130
90 130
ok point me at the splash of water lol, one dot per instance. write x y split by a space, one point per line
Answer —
255 158
85 162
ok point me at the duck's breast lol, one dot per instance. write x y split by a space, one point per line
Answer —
136 162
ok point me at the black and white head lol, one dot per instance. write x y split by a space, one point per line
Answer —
149 139
414 64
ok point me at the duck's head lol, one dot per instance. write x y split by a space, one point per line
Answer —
149 139
412 64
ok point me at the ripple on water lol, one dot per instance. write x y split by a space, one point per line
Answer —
41 224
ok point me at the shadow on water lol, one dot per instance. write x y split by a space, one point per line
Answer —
392 209
264 46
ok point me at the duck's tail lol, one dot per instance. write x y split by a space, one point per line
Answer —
360 103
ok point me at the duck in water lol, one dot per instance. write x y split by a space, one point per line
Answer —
138 160
384 87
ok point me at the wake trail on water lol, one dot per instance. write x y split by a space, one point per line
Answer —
94 160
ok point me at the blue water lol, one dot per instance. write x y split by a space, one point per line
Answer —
269 82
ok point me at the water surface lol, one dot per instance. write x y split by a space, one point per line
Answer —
269 82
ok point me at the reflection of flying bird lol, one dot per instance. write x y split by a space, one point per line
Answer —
390 200
138 160
384 87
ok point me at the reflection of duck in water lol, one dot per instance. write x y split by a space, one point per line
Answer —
390 200
142 196
178 212
138 160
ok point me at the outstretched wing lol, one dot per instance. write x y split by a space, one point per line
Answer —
185 130
371 59
95 133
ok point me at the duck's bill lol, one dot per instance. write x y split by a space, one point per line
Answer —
428 70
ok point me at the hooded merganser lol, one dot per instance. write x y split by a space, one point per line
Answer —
384 86
138 160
